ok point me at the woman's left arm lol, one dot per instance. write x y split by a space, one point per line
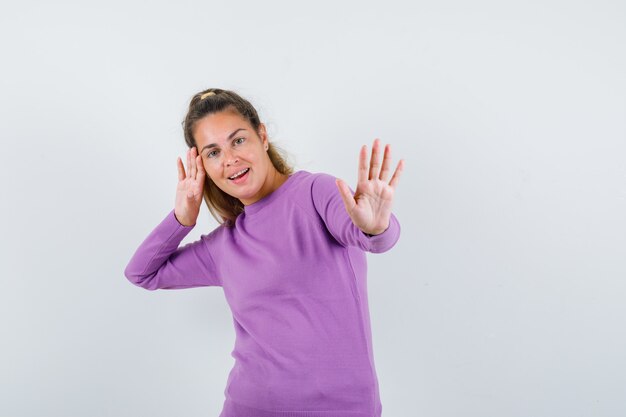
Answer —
370 206
362 218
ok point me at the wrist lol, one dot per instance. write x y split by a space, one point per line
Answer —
376 232
182 223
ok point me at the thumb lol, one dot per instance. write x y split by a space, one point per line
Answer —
346 195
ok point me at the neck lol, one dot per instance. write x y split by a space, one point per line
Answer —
277 179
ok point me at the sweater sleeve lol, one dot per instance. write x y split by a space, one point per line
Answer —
329 205
158 263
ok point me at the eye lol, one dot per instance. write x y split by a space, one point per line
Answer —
210 154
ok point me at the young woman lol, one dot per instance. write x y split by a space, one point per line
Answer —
289 254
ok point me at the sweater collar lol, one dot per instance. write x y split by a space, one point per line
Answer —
255 207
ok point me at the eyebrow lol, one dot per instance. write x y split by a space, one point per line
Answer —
215 144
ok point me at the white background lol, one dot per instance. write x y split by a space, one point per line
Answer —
505 295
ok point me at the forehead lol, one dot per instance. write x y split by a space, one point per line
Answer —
217 126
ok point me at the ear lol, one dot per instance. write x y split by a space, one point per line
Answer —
263 135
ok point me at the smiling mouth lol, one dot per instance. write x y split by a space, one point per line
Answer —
241 177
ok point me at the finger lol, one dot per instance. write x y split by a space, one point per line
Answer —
346 195
362 174
200 175
374 164
396 175
384 171
192 157
188 163
181 169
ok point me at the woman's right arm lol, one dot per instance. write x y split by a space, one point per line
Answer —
159 262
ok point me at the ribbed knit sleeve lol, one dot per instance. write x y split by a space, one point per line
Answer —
330 207
158 263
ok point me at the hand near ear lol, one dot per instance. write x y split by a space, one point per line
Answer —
370 207
190 187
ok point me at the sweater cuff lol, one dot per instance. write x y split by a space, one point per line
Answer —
175 227
384 241
173 214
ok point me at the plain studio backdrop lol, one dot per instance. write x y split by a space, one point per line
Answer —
505 295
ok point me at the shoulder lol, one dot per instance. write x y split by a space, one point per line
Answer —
316 182
219 233
313 190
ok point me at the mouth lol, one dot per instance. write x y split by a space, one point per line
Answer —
241 178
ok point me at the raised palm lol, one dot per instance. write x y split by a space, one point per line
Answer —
370 207
189 189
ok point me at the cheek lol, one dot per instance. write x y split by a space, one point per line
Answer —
248 156
253 156
212 170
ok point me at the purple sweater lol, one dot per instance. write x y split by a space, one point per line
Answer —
294 273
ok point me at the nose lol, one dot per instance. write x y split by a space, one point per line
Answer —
230 158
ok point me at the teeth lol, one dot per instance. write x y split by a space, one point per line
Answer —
237 174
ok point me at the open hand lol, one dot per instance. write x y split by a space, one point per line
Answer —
189 190
370 207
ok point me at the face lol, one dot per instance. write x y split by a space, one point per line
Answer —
228 144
